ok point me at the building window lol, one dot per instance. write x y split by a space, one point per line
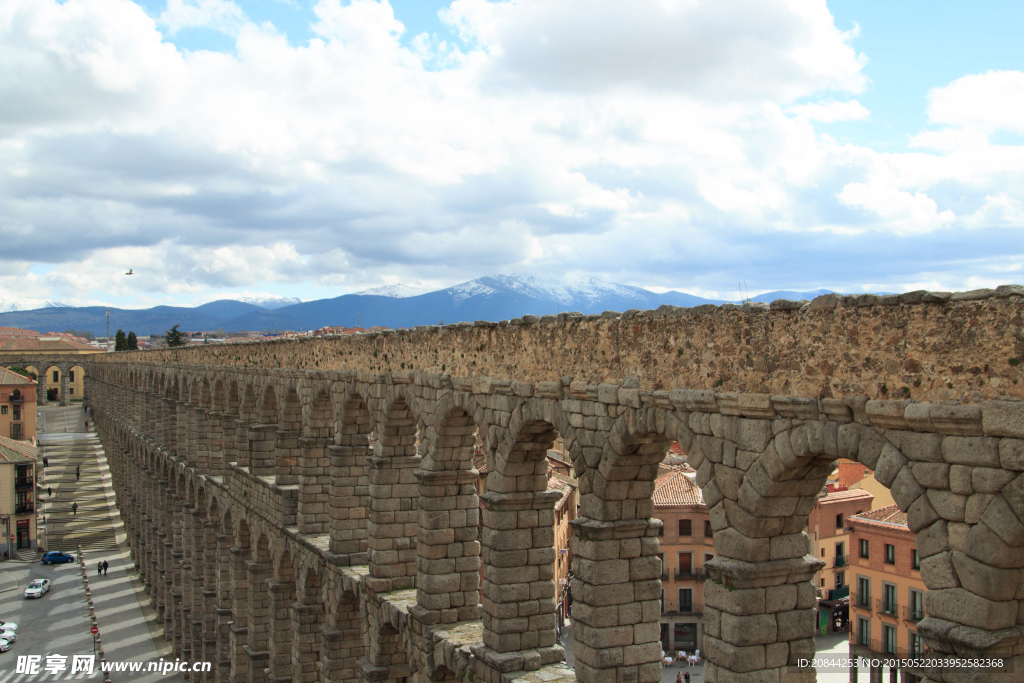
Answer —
664 572
708 557
822 582
915 606
72 390
889 639
56 375
839 523
890 554
915 559
708 533
685 566
685 527
17 413
685 637
863 631
661 530
686 600
914 643
889 599
840 579
863 592
864 548
71 375
3 410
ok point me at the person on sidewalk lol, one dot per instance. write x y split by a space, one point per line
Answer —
99 569
78 472
46 461
49 491
74 508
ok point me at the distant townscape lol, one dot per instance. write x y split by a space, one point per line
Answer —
392 306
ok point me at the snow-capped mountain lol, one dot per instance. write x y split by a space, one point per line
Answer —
270 302
8 304
392 291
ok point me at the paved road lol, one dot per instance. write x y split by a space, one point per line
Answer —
59 622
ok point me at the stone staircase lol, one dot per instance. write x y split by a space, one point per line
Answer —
91 525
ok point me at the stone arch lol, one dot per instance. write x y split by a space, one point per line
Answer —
307 620
315 465
289 430
260 569
349 481
344 638
393 513
448 565
518 542
282 597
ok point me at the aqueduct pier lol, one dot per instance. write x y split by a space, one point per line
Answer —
305 510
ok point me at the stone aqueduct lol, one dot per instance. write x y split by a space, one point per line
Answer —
306 510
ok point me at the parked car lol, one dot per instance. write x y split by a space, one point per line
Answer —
9 636
57 557
37 588
5 645
8 626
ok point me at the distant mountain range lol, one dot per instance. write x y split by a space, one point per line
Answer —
487 298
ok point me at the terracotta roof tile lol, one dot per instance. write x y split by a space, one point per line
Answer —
888 517
16 451
8 377
850 494
676 487
15 344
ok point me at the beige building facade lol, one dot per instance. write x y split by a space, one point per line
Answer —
17 406
17 496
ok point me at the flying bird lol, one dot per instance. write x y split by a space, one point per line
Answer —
131 271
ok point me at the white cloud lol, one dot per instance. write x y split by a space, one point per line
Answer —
830 111
219 15
986 102
655 140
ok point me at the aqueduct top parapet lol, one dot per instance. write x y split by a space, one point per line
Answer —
922 345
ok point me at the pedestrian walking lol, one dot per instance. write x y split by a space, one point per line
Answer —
46 461
686 677
78 472
49 491
99 568
74 508
679 677
106 566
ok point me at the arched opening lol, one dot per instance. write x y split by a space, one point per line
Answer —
518 546
288 432
343 642
307 618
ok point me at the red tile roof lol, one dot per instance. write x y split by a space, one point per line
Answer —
845 496
8 377
674 487
15 344
888 517
16 451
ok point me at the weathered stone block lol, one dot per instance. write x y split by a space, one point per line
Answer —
962 606
976 451
757 629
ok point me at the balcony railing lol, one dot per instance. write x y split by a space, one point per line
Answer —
22 508
877 647
23 482
684 608
887 607
913 614
16 398
861 601
840 561
699 575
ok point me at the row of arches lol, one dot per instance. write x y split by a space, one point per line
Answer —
395 457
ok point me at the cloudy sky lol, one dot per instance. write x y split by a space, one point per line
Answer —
313 148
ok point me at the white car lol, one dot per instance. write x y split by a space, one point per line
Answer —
37 588
5 645
9 636
8 626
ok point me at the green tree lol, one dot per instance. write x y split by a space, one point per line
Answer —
18 370
176 337
132 342
120 342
